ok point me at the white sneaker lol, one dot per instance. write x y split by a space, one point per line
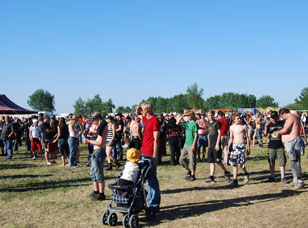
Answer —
299 185
33 158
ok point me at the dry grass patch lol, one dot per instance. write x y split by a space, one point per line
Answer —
34 195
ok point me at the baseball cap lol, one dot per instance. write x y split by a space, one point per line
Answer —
133 155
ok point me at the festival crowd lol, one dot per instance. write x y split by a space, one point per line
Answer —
221 139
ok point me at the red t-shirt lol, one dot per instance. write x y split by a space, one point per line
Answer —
150 125
224 126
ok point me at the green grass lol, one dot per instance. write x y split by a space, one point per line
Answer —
34 195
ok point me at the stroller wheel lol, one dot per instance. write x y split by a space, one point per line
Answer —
125 220
133 221
112 219
105 217
150 213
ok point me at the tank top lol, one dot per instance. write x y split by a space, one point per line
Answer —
110 133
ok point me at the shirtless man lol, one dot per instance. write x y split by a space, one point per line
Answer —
258 132
238 134
135 132
98 157
202 136
293 143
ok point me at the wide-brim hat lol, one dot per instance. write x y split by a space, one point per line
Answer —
133 155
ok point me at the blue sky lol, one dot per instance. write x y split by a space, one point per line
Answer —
130 50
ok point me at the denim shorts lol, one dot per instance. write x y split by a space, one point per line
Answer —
202 141
113 143
259 134
97 165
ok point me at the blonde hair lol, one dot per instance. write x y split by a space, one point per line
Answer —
147 105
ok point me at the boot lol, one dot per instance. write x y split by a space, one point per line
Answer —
117 165
109 166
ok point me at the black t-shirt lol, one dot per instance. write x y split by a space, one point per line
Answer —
6 130
212 129
173 133
101 127
47 136
275 143
119 133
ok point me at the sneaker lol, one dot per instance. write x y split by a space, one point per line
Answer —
209 180
188 176
233 184
98 197
299 185
33 158
246 179
48 164
284 180
192 178
228 176
271 179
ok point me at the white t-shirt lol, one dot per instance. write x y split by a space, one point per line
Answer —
35 131
130 172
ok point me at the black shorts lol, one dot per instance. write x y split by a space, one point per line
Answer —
214 156
135 143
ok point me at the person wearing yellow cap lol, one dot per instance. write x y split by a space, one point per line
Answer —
131 169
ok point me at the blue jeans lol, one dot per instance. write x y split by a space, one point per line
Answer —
97 165
72 142
63 147
152 185
90 149
117 150
8 146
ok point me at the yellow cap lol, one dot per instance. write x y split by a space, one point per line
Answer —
133 155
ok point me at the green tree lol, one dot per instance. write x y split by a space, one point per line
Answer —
266 101
42 100
302 100
295 106
178 103
194 96
212 103
79 107
123 109
108 107
94 105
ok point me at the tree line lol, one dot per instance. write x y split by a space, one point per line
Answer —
42 100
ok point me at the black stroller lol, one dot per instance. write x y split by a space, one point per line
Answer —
133 201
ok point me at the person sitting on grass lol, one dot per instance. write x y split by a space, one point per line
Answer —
130 172
237 148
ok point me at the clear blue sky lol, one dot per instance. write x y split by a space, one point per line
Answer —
130 50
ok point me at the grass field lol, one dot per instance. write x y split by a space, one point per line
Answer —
34 195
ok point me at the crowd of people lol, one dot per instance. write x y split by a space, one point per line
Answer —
220 139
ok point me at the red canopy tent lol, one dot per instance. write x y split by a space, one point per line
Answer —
9 107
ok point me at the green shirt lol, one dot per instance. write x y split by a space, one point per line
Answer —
190 129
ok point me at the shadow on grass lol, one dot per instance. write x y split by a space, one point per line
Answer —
171 213
16 166
24 176
45 185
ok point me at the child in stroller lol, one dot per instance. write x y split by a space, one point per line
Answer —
128 192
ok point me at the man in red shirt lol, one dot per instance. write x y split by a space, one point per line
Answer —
150 148
224 133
